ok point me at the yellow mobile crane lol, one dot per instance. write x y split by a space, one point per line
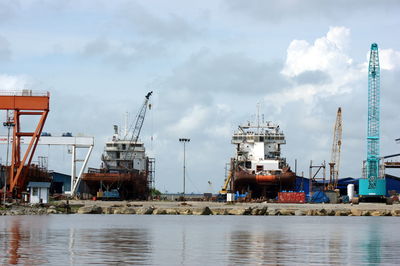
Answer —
224 189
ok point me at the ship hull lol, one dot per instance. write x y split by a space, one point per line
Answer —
264 185
133 185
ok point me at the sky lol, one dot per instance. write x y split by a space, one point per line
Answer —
209 64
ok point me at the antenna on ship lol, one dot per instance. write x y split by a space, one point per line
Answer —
126 124
258 117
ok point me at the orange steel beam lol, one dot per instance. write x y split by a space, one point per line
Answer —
24 105
13 102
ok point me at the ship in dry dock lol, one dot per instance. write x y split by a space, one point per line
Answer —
126 171
258 167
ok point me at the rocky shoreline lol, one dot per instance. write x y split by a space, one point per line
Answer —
201 208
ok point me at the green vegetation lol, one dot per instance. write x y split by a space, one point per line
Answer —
154 192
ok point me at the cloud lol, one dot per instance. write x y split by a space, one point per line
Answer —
122 53
312 77
145 36
325 54
8 9
9 82
320 69
5 51
171 27
283 10
229 72
389 59
192 120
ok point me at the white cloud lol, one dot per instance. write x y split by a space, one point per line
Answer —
389 59
8 82
194 119
326 54
5 51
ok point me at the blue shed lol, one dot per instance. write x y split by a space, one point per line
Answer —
61 182
392 183
302 184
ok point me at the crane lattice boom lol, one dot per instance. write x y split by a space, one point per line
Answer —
336 147
140 120
372 166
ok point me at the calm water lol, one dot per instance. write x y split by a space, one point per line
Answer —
198 240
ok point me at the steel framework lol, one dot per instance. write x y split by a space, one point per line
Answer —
140 119
23 103
336 148
372 165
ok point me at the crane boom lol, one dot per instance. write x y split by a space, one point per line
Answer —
128 155
373 185
138 125
336 148
373 118
140 119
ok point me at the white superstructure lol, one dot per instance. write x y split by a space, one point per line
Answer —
258 147
124 154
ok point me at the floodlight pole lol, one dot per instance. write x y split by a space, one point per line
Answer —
9 123
184 140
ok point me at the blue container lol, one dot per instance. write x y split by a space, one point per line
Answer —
380 189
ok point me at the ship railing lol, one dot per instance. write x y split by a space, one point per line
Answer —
94 170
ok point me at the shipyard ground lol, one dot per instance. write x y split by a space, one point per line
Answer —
201 208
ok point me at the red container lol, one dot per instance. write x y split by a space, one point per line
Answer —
291 197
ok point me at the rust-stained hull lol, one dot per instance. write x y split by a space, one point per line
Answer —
132 185
264 185
30 173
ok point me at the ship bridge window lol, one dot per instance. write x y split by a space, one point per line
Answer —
261 138
124 146
260 168
135 145
248 164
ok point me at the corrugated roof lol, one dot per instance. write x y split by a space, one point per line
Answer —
39 184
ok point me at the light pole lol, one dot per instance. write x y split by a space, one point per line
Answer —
184 140
9 123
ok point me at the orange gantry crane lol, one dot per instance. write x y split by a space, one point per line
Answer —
23 103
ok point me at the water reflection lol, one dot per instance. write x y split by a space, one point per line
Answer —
174 240
19 241
372 246
15 237
258 247
30 240
115 245
335 246
183 250
302 244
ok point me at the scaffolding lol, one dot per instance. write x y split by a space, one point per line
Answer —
314 171
151 172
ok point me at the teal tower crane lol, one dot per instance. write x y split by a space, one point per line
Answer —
373 185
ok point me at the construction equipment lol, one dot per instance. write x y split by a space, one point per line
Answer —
125 162
140 119
224 189
125 166
373 184
335 155
23 103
